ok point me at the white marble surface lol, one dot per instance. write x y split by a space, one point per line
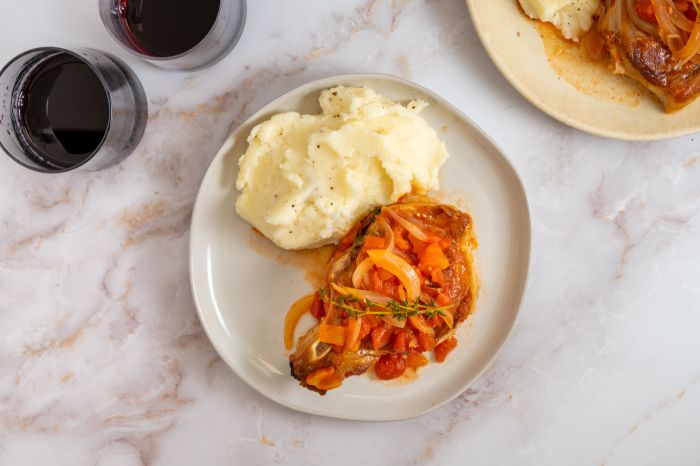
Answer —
103 360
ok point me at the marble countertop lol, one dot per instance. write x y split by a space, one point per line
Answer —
103 360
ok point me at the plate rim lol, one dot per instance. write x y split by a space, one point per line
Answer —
561 117
326 82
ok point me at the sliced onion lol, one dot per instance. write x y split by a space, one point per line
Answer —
376 298
446 336
360 271
668 31
594 45
298 309
421 325
680 20
402 254
355 324
448 318
645 26
400 268
613 16
409 226
691 47
388 233
391 320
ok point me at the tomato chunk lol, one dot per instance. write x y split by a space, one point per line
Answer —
317 309
381 334
645 10
432 257
426 342
365 328
373 242
390 366
399 343
399 239
415 360
444 348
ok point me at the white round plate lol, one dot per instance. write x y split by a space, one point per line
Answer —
242 296
586 95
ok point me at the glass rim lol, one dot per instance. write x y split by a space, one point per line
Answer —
133 50
104 87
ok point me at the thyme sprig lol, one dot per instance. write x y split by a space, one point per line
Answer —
400 310
362 234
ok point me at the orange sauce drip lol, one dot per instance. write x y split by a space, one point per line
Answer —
590 77
310 261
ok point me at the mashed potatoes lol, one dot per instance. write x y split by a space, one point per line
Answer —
572 17
306 179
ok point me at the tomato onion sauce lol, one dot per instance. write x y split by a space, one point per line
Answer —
654 42
397 286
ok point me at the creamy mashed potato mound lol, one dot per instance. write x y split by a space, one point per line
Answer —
306 179
572 17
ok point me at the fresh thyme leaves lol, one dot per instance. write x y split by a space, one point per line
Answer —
400 310
362 234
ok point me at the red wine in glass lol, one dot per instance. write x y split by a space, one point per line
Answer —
63 109
62 112
166 28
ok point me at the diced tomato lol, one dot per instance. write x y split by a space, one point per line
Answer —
385 274
374 281
373 242
415 360
433 258
411 338
419 323
399 342
645 10
390 366
399 239
372 320
418 245
444 243
443 300
365 328
682 5
443 349
317 308
421 275
691 14
437 277
381 334
347 240
426 342
401 292
434 238
435 321
390 288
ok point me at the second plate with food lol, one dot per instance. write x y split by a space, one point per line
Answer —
557 77
243 285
